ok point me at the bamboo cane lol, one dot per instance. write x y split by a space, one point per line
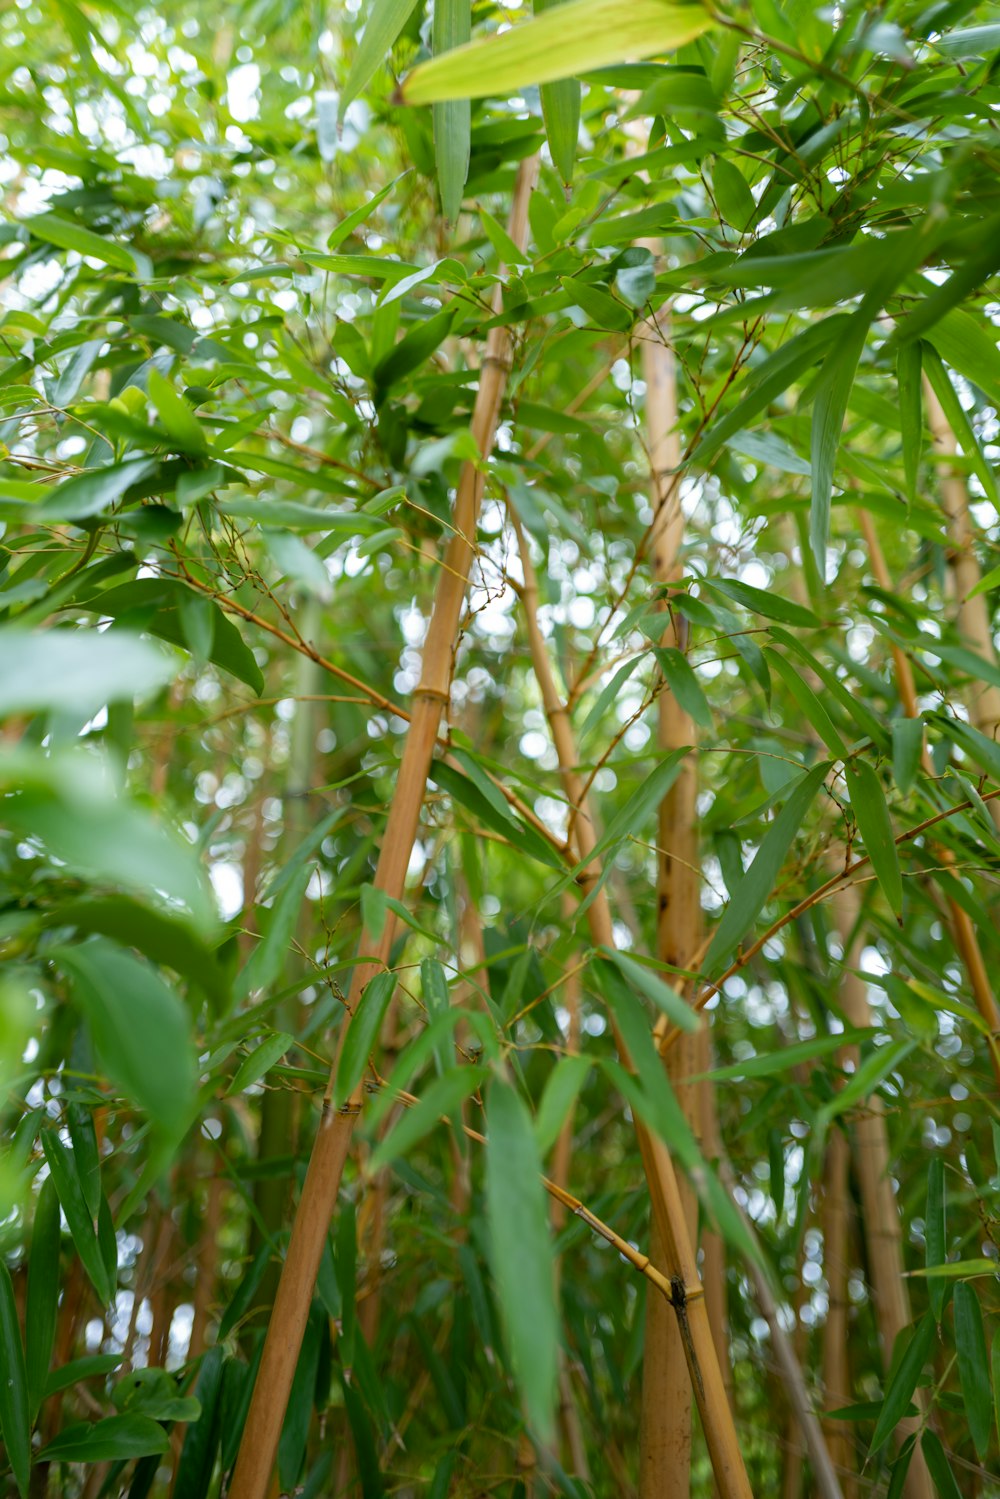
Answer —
665 1446
258 1448
836 1370
667 1204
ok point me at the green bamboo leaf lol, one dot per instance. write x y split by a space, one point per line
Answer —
362 1035
995 1375
832 392
571 39
869 807
735 201
259 1062
911 413
559 1095
267 961
439 1100
352 221
973 1367
609 694
43 1293
631 820
452 26
769 604
786 1058
959 1270
807 701
958 420
93 1366
140 1028
521 1254
78 671
907 748
904 1380
114 1439
935 1233
81 1226
83 1138
67 235
384 22
680 677
561 113
753 891
937 1466
176 414
648 982
15 1412
93 492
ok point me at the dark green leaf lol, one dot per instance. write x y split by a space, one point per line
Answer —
973 1366
43 1293
869 807
362 1035
935 1233
904 1380
111 1440
15 1409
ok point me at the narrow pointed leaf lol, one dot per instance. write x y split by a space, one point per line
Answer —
439 1099
973 1366
558 1097
362 1035
521 1254
81 1225
15 1415
43 1293
385 20
904 1381
911 414
938 1467
935 1233
869 806
907 748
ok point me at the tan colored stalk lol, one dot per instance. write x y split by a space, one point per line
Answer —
668 1212
258 1448
665 1445
206 1261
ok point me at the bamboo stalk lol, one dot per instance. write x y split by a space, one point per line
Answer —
665 1445
836 1368
258 1448
667 1204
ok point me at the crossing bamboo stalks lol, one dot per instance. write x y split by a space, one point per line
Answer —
258 1448
665 1446
668 1211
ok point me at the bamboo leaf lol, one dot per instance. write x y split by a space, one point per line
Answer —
786 1058
201 1440
267 961
911 413
176 414
81 1226
384 22
807 701
937 1466
83 1138
904 1381
452 26
735 201
832 393
907 748
67 235
935 1233
259 1062
561 43
562 1087
15 1412
759 601
43 1293
78 671
958 420
869 807
561 113
139 1026
680 677
753 891
973 1367
439 1099
112 1440
362 1035
648 982
521 1254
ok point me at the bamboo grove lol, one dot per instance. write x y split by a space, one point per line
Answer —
498 740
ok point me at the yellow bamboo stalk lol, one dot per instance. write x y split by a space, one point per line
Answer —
679 1255
665 1445
258 1449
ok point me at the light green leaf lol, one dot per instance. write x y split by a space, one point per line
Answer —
362 1035
735 201
67 235
680 677
911 413
561 113
176 414
78 671
63 1170
521 1254
907 748
753 891
384 21
832 392
768 603
352 221
15 1413
440 1099
869 807
648 982
973 1367
139 1026
267 961
786 1058
566 41
559 1095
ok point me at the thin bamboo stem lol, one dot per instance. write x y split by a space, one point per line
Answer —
836 1368
667 1204
258 1448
